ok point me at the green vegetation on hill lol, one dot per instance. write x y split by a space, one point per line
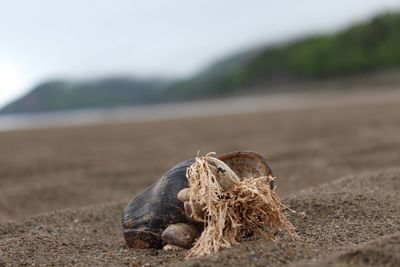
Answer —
366 47
363 48
103 93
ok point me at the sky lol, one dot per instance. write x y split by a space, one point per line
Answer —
45 39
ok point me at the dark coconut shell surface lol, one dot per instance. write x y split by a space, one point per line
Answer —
150 212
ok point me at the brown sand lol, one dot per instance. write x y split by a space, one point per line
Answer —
338 167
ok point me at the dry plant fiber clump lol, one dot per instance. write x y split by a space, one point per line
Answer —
233 207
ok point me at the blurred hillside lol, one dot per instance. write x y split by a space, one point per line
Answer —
364 48
104 93
368 47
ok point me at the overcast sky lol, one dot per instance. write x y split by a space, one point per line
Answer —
41 39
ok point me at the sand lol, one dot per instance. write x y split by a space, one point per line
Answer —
62 191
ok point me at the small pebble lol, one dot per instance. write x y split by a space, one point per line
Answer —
302 214
172 248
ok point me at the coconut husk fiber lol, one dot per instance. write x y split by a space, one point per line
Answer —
233 208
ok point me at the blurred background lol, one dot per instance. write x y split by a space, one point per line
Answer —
69 55
99 98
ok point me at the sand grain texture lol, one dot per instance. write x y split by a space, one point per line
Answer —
62 191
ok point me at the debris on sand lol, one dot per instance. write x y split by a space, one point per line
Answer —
234 207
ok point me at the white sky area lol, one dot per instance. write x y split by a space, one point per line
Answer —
46 39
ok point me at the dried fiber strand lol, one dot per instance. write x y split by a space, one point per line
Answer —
234 207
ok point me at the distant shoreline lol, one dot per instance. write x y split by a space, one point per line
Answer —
202 108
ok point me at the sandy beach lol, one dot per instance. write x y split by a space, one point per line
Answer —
63 190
